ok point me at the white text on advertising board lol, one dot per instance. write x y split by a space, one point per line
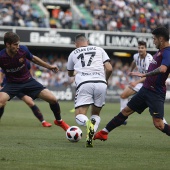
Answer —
48 37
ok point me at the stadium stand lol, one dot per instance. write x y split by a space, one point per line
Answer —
114 15
127 15
103 15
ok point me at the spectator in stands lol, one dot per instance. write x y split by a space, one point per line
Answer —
132 13
83 24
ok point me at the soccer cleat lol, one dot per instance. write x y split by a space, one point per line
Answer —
72 110
101 135
90 132
46 124
62 124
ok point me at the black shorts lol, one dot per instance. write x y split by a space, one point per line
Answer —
20 95
30 88
146 98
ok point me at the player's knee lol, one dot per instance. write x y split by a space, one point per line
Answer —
127 111
159 125
2 104
52 100
30 104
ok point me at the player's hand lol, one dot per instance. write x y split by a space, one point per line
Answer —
54 69
136 74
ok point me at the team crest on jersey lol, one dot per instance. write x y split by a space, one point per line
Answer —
21 60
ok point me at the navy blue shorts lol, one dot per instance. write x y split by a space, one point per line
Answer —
30 88
20 95
146 98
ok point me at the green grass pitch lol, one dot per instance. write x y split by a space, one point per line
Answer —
26 145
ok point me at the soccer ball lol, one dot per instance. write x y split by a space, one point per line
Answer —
74 134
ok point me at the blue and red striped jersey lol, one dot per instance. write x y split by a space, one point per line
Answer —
15 68
157 83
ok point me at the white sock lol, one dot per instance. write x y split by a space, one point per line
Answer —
123 103
98 119
165 121
81 119
104 129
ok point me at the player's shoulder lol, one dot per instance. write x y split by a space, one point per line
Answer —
167 49
148 55
136 55
96 47
23 48
2 52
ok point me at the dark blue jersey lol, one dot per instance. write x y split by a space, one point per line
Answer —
157 83
4 79
15 68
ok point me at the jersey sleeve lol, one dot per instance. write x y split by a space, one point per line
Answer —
29 56
134 57
105 56
70 63
166 58
148 61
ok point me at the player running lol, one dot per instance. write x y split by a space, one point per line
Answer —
91 67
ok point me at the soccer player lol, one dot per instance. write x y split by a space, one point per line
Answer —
152 93
28 100
141 61
13 60
91 67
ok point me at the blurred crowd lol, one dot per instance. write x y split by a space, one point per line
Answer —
118 80
128 15
111 15
48 78
21 13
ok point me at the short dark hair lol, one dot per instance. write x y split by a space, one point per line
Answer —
161 31
11 37
142 43
80 36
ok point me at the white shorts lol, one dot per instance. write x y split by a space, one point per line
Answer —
137 87
91 93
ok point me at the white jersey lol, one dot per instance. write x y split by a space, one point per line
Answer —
142 64
88 64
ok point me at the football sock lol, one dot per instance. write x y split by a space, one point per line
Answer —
1 111
105 130
37 113
81 119
123 103
97 119
165 121
116 121
56 110
166 129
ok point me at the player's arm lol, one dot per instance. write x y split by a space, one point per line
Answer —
108 69
159 70
42 63
134 83
132 66
71 73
